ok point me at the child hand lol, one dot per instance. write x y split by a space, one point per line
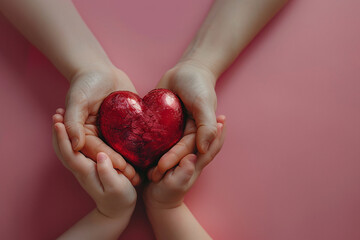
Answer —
87 91
112 192
170 190
92 138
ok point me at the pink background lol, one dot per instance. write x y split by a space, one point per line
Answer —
290 166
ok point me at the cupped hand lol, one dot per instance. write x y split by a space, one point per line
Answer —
87 90
92 137
112 192
169 192
194 85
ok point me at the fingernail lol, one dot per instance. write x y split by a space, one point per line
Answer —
74 142
101 157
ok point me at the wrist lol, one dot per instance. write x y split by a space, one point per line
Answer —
191 69
155 207
202 59
198 66
153 204
101 67
116 216
107 76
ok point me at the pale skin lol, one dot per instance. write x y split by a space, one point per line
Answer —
57 30
226 31
115 196
113 193
164 199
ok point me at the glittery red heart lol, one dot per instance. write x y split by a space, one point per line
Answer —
142 130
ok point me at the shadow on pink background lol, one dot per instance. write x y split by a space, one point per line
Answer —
290 167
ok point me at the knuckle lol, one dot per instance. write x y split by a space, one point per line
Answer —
189 171
212 130
182 147
174 185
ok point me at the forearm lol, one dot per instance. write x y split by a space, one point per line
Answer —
226 31
57 30
95 225
175 223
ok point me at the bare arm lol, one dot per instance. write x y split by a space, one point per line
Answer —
226 31
176 223
169 216
97 226
112 192
57 30
228 28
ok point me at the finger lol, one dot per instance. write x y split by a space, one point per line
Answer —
221 119
183 173
82 168
75 161
149 173
107 174
179 177
205 159
190 127
136 180
57 118
170 159
75 117
94 145
205 120
180 150
56 144
129 172
60 111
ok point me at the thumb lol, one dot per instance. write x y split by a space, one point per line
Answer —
107 174
205 120
75 116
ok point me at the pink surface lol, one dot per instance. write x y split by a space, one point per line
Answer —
290 167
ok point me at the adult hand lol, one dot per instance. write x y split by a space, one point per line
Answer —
88 89
194 84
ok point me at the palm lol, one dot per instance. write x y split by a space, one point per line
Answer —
87 93
196 90
194 87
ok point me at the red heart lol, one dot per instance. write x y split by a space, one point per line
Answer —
142 130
